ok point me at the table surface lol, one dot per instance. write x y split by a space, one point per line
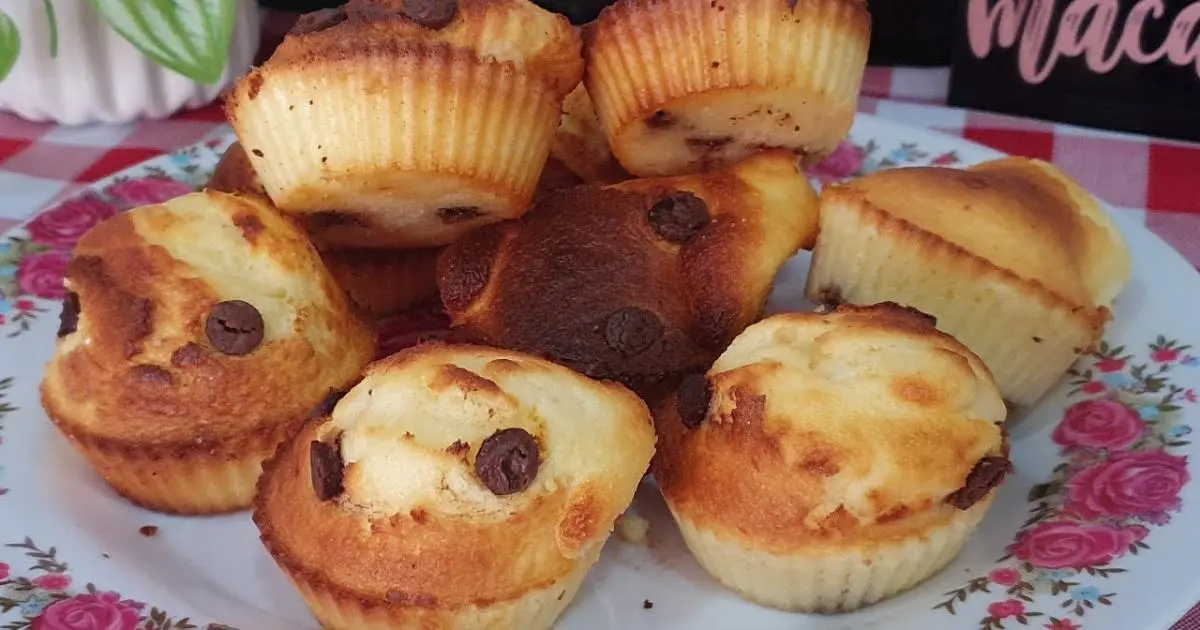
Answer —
1152 180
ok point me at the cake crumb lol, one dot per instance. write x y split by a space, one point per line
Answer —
148 530
633 528
647 604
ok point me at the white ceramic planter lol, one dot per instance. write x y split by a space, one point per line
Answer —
98 76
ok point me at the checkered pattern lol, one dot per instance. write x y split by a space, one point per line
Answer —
1152 180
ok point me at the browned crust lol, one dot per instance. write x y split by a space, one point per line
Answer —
702 471
235 174
547 283
1094 318
367 561
149 383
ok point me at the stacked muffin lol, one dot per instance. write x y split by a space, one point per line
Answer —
602 216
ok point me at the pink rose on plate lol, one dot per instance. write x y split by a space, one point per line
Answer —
62 225
1099 423
1005 576
1006 609
41 274
1072 545
1133 483
90 611
53 581
4 571
147 191
846 160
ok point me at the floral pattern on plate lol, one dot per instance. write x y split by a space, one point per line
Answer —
1118 478
42 598
33 258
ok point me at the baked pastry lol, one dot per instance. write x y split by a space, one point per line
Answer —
637 281
381 282
422 120
455 487
1014 259
580 143
196 335
685 85
826 462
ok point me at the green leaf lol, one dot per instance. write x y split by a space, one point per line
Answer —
10 45
52 19
190 37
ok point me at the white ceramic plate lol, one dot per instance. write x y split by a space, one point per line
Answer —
1095 529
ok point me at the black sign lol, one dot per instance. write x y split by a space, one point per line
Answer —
1129 65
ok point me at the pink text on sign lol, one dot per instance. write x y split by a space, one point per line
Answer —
1103 43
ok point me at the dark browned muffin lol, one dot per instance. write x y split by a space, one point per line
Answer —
635 282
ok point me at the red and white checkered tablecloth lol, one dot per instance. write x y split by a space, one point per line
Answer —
1154 180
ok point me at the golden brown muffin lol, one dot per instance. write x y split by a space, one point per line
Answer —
826 462
1011 256
381 282
581 145
685 85
455 487
418 121
197 334
637 281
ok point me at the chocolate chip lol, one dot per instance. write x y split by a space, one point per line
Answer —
189 354
68 319
458 214
987 474
661 119
631 330
234 327
508 461
691 401
147 373
433 14
679 217
148 530
318 21
325 460
325 407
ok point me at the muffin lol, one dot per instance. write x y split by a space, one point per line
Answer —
421 120
826 462
455 487
686 85
1011 256
195 336
638 281
381 282
580 143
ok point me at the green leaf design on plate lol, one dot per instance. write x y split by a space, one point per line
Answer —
10 45
190 37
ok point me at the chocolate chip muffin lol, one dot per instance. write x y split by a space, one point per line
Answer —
381 282
196 335
685 85
638 281
1012 256
421 120
826 462
454 487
